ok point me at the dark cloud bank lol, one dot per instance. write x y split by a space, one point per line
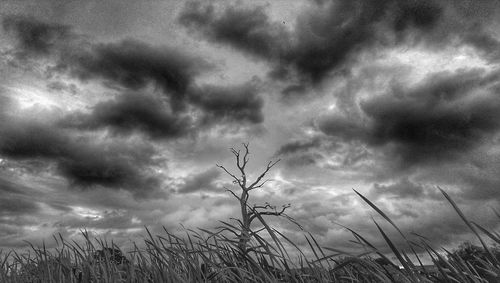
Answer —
435 130
132 112
333 34
443 117
433 121
82 162
132 67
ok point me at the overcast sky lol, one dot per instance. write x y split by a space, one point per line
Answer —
114 114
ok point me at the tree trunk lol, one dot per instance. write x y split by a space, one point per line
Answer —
245 220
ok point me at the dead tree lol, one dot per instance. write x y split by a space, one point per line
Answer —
245 186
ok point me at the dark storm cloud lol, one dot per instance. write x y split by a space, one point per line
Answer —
248 30
441 118
342 127
134 65
129 63
133 111
130 112
432 126
334 33
203 181
35 37
83 163
420 14
106 167
297 146
327 38
238 103
322 40
24 139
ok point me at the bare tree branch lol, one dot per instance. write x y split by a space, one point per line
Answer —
231 191
236 180
247 152
260 185
236 154
267 211
266 206
269 166
244 162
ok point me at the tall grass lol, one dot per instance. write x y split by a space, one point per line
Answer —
214 256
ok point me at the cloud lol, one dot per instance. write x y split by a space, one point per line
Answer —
478 179
117 219
132 112
402 189
82 162
8 187
150 115
133 66
59 86
231 104
34 37
320 151
129 63
8 104
24 139
245 29
293 91
17 206
297 146
341 127
323 39
442 117
203 181
331 35
14 201
93 166
421 14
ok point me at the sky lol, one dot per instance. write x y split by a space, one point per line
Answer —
114 115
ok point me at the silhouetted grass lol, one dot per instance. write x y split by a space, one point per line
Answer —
214 256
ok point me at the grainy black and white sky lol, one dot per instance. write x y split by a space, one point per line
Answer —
114 113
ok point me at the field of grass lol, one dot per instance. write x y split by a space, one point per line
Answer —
215 256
